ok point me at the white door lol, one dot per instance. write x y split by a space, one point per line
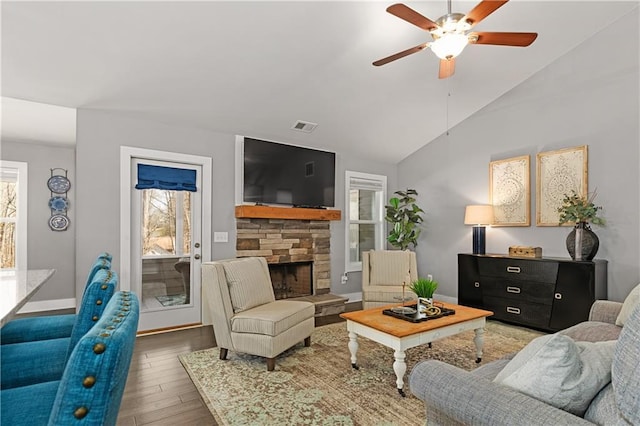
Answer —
166 249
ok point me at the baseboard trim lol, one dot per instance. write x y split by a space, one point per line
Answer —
48 305
446 299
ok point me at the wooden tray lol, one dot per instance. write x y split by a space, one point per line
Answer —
416 316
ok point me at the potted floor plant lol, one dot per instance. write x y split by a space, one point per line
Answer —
406 217
582 242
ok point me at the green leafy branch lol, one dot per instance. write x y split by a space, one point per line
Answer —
576 208
406 218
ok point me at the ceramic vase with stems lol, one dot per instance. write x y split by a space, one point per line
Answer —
582 242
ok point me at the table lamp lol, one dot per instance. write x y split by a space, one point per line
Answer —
479 217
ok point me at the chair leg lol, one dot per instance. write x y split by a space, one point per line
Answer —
223 353
307 341
271 364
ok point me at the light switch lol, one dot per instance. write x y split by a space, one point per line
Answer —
220 237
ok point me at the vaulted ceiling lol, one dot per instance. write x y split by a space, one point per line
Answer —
254 68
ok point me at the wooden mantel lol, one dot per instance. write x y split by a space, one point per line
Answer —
271 212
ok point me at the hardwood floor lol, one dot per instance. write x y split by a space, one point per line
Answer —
159 390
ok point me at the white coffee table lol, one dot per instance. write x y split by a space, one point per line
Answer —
401 335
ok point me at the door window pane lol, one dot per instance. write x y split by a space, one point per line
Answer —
166 241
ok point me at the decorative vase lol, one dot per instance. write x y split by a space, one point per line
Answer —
424 303
582 242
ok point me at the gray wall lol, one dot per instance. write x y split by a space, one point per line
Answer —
588 97
99 137
45 248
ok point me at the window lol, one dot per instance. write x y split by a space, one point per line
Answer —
13 215
366 195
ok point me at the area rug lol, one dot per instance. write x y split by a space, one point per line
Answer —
317 386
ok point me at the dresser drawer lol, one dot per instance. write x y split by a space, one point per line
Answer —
518 269
526 291
519 312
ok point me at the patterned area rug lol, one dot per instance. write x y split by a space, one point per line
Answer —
317 386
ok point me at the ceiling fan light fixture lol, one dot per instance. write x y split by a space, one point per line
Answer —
449 45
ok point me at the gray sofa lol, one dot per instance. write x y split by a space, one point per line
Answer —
457 397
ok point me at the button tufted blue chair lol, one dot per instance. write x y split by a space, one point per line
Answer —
90 390
44 360
49 326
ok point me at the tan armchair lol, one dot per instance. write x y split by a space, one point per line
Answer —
383 272
239 302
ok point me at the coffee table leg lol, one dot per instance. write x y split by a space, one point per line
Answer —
400 367
479 341
353 348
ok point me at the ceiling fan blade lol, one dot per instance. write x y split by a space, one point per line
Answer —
503 39
447 68
482 10
400 54
411 16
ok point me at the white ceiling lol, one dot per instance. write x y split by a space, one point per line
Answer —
254 68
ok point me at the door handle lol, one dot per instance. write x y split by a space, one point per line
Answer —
196 256
197 245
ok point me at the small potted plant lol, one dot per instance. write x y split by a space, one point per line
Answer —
582 242
424 289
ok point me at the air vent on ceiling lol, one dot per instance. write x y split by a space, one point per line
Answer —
304 126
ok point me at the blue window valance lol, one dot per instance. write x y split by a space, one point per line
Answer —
170 178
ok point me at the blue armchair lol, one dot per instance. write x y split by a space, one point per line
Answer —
51 326
44 360
90 390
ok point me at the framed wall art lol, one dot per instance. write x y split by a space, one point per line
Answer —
509 191
558 173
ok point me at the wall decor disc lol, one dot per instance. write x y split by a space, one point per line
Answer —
58 222
58 184
58 204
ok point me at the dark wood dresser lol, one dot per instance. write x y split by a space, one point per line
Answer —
544 293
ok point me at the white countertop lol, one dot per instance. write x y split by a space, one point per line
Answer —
17 287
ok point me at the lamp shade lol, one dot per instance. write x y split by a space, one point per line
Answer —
478 215
449 45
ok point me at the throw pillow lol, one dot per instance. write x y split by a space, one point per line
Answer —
630 302
389 267
249 283
560 372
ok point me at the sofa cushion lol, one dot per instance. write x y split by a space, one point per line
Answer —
625 374
249 283
389 267
603 409
560 372
28 405
592 331
632 300
273 318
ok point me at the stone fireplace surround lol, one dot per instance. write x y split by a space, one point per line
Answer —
285 235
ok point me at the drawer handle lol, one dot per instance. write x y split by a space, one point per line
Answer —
513 310
513 269
558 296
476 284
515 290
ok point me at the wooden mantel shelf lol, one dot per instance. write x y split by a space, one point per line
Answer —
270 212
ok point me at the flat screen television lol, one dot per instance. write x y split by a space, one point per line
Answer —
276 173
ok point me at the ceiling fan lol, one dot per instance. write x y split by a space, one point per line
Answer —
451 33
